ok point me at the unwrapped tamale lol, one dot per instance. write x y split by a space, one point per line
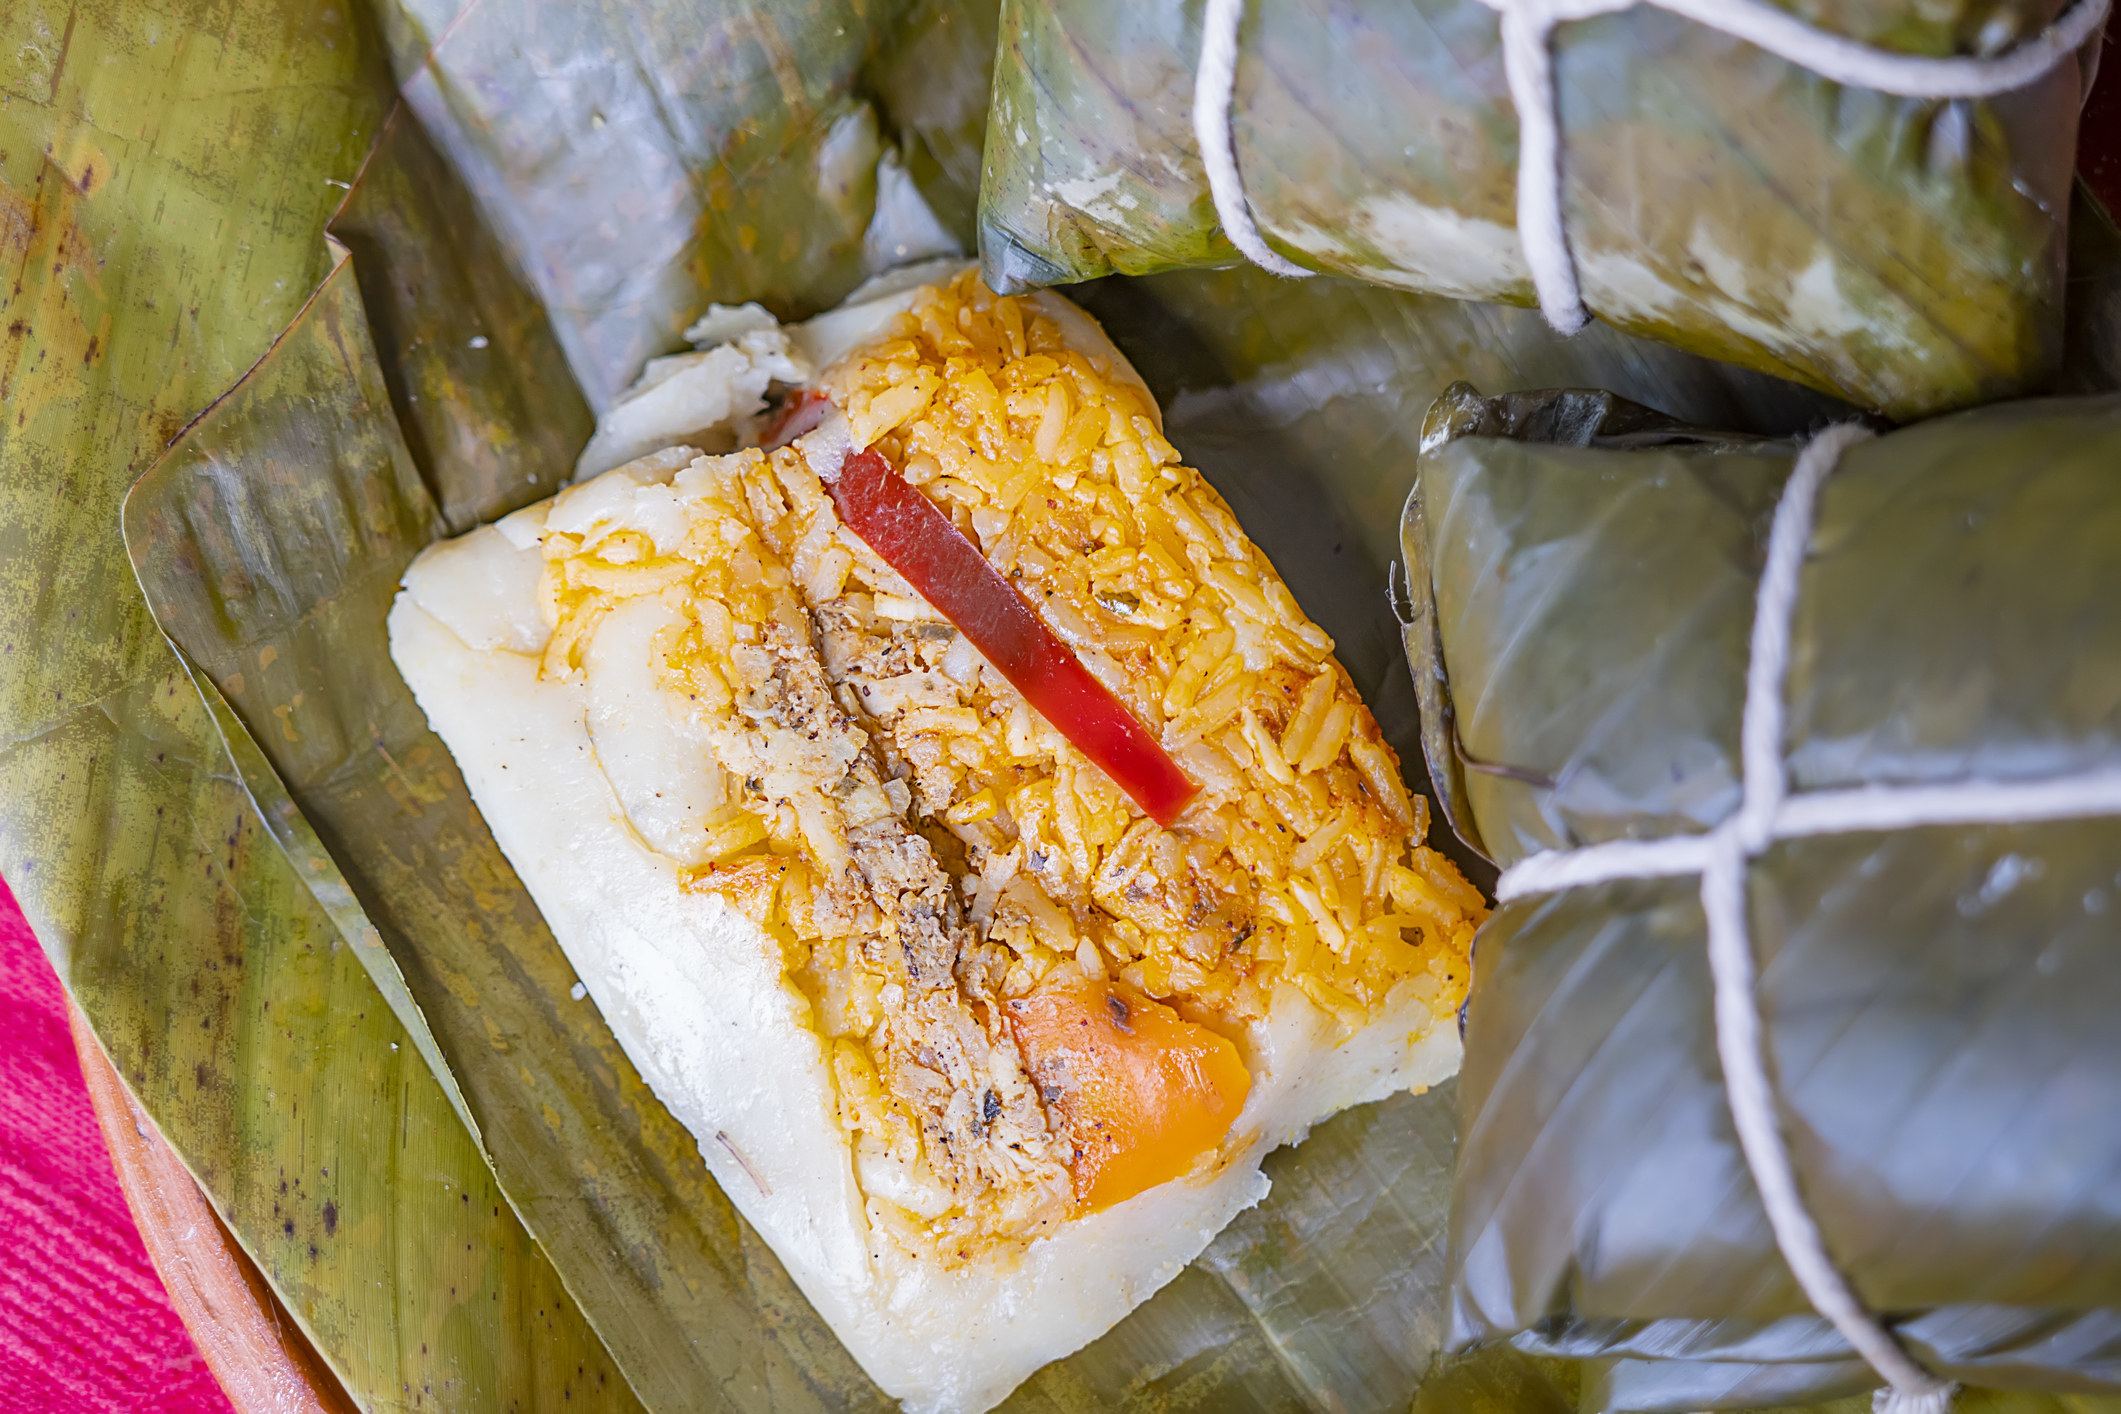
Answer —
950 810
1905 254
1938 1001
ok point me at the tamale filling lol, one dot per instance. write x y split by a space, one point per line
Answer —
853 727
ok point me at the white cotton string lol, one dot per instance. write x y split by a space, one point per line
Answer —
1774 605
1553 870
1722 856
1752 1101
1527 34
1542 231
1969 803
1214 83
1835 812
1881 70
1723 904
1528 64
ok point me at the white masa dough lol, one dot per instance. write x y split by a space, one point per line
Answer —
696 995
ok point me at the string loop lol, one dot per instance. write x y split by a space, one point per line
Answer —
1214 81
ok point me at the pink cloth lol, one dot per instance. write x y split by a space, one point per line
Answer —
85 1327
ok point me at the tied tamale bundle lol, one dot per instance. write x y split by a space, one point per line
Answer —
1905 254
1936 999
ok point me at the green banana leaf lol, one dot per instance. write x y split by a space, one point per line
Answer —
302 952
1937 1001
163 179
930 84
1904 255
1336 375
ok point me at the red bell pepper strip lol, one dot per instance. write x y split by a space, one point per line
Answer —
917 539
801 415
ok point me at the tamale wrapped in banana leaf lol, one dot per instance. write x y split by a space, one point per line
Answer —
1937 1000
1905 254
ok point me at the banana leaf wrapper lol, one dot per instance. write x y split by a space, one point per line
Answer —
425 388
1937 1002
1904 255
641 158
1332 376
446 1168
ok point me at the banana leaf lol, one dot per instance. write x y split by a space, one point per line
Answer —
270 541
163 179
641 158
1937 1001
1334 375
304 955
930 84
1904 255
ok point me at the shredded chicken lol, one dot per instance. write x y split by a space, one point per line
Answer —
865 895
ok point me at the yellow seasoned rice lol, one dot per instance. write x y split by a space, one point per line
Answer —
1301 864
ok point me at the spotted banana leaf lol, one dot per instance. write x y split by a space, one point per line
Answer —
261 877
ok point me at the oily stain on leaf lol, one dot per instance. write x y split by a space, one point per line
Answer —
44 250
163 184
